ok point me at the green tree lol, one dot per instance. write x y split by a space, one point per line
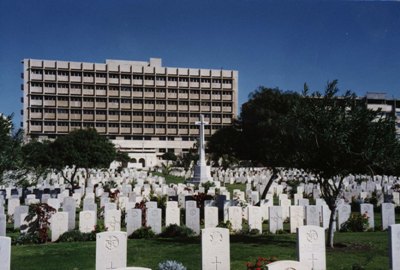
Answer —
36 158
10 147
224 144
337 135
83 148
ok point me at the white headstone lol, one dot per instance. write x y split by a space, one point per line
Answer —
235 217
210 217
153 219
312 215
58 225
388 215
112 220
3 224
87 221
255 220
275 219
368 209
296 217
311 246
111 250
215 249
23 209
69 206
133 220
5 253
12 204
344 212
394 246
192 219
172 215
288 265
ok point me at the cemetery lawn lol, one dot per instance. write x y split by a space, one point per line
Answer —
368 249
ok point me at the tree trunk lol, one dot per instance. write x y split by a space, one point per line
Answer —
269 184
332 224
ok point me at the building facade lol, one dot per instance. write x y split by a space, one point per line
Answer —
144 108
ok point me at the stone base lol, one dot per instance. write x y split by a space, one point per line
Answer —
202 174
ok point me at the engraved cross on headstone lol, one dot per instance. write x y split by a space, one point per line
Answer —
313 259
216 263
202 155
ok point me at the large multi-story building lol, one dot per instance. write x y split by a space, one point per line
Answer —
144 108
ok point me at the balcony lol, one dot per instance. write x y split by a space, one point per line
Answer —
137 130
88 117
62 78
137 82
72 128
62 103
76 79
113 130
125 130
149 130
101 92
125 93
76 116
101 117
149 106
160 130
113 117
36 77
36 128
49 116
172 107
88 79
148 118
171 131
194 96
205 96
227 86
172 84
216 85
36 89
49 90
49 128
194 84
227 97
194 132
36 115
49 77
101 129
160 83
172 119
183 131
100 80
62 129
183 84
75 91
113 93
172 95
216 97
160 119
49 103
149 94
126 81
183 95
183 107
126 106
137 94
62 91
160 107
216 108
183 119
113 81
216 120
227 120
88 92
113 105
137 118
227 109
88 104
205 108
149 82
62 116
125 118
205 85
76 104
160 94
194 108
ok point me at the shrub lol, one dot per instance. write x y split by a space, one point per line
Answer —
77 236
356 223
174 230
226 225
261 263
24 239
38 219
144 232
171 265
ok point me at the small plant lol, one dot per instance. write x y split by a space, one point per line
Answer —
261 263
77 236
174 230
226 225
142 233
171 265
356 223
38 219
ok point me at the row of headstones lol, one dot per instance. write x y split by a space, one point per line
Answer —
111 250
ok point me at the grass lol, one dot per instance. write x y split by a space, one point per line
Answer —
369 249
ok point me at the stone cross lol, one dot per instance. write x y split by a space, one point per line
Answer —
216 263
202 155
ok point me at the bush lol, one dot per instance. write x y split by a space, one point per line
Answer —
226 225
142 233
77 236
25 239
174 230
356 223
171 265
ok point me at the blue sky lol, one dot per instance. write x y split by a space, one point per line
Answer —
271 43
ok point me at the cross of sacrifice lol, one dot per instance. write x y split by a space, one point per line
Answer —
216 263
313 259
201 123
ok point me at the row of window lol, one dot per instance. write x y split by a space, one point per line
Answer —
131 89
129 113
122 125
129 76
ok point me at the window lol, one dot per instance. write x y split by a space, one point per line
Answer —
101 112
76 86
62 85
124 76
172 79
114 88
36 84
62 111
36 71
204 80
194 79
113 76
62 73
227 81
88 112
50 72
101 75
88 87
100 87
62 124
126 89
216 81
137 77
76 74
183 79
160 78
88 74
149 78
